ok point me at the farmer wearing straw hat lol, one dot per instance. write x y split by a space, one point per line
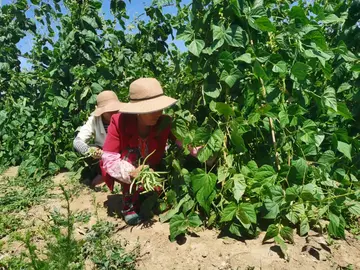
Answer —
96 127
136 132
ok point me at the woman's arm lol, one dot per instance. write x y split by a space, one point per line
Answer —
117 168
85 133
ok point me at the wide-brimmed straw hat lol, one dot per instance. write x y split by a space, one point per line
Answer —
107 101
146 96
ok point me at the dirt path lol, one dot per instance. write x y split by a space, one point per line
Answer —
204 251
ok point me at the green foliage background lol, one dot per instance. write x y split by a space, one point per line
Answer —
270 89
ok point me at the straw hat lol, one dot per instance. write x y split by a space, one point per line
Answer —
146 96
107 101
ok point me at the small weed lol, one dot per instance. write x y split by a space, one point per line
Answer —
83 216
114 256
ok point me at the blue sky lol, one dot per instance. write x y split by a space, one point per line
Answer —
134 8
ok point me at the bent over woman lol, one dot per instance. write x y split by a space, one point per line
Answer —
137 131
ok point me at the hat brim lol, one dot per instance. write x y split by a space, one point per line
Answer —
148 106
111 107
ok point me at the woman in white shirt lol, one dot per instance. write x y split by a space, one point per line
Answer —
96 128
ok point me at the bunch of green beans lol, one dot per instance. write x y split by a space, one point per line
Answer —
148 178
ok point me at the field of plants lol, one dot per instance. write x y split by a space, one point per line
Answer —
269 88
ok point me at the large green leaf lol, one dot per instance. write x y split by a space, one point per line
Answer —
218 32
196 47
287 234
336 226
280 67
345 148
229 212
169 214
235 36
186 34
216 140
230 78
238 141
246 57
329 98
300 70
264 24
271 232
235 5
246 214
203 185
178 225
297 12
239 186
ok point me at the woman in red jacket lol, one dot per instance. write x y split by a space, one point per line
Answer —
136 132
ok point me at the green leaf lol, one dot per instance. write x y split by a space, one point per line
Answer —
332 18
97 88
60 102
224 109
238 141
194 220
355 68
216 140
343 87
239 186
230 78
218 32
345 149
265 174
304 226
301 166
234 229
327 158
343 110
264 24
259 71
336 226
291 194
253 118
196 47
329 98
300 70
236 7
228 213
53 168
287 234
186 34
271 232
282 246
297 12
235 36
203 185
246 57
3 116
4 66
246 214
354 208
226 60
178 225
280 67
204 154
284 119
169 214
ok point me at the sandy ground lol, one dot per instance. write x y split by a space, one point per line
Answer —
205 250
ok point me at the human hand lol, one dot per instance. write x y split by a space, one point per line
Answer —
135 173
95 152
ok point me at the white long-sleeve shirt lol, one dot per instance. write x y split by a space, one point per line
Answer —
93 128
